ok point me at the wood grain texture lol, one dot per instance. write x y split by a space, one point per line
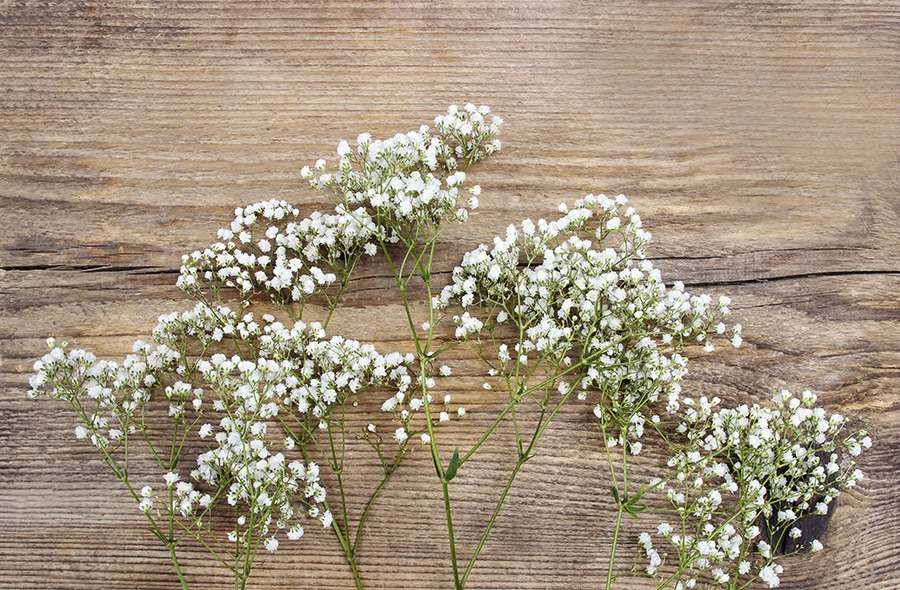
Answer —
758 141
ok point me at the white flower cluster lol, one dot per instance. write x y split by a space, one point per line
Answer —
109 396
404 409
413 180
296 377
586 298
747 479
384 189
269 249
257 477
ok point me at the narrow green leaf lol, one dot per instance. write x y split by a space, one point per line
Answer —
615 493
437 466
454 465
641 491
634 510
160 536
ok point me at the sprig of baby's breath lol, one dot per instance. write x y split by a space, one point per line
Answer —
242 403
748 486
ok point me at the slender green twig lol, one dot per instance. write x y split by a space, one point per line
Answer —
365 514
490 525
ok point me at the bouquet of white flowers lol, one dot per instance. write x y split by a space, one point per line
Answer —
241 403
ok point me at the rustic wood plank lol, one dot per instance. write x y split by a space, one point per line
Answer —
757 140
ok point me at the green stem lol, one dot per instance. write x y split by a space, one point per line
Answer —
492 521
248 555
674 576
198 534
348 551
365 514
337 466
515 400
177 567
335 525
488 432
524 455
615 541
340 484
424 357
453 559
237 557
345 280
620 502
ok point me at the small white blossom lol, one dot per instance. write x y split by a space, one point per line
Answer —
769 574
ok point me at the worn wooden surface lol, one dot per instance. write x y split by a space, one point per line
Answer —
758 140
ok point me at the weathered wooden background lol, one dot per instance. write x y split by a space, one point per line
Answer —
758 140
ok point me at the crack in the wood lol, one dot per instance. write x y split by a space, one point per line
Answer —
753 252
154 270
91 268
791 277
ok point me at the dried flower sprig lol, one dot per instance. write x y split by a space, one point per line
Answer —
253 400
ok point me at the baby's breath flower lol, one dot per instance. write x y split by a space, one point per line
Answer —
573 305
769 574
